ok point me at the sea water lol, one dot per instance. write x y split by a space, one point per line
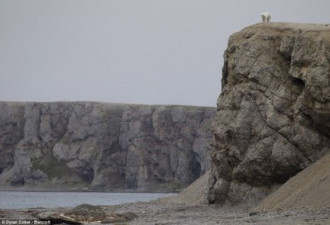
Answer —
22 199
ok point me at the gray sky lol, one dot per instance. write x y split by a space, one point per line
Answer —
137 51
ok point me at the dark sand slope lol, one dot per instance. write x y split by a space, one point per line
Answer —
309 189
194 194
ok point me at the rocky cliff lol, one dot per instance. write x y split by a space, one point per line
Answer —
273 115
98 146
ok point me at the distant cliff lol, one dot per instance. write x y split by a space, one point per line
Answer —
273 115
99 146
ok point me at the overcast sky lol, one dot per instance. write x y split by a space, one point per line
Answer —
137 51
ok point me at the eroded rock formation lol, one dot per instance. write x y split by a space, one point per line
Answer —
273 115
98 146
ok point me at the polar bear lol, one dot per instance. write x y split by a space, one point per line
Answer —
265 17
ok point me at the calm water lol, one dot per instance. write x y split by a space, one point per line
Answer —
14 200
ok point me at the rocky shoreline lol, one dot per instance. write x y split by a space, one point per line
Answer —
190 207
161 213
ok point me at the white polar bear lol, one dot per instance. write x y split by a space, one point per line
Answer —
265 17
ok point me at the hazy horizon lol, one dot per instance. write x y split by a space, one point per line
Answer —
135 52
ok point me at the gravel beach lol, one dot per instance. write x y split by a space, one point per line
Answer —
159 213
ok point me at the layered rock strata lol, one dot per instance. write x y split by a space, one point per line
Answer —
273 115
98 146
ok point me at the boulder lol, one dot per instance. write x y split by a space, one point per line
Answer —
86 214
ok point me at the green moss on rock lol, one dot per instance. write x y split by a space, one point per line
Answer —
52 167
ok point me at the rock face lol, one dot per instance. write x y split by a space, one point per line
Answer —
273 115
97 146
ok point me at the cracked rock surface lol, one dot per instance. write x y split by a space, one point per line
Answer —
99 146
273 114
